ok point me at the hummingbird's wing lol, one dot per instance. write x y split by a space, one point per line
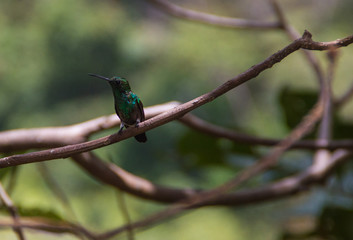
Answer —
141 137
140 107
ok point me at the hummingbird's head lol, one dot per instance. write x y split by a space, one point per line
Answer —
120 82
116 82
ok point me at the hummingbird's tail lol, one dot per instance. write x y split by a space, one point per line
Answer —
141 137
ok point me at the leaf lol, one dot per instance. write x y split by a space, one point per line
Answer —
296 104
341 128
38 212
200 149
204 150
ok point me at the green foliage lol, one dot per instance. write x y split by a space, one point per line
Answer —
38 212
335 222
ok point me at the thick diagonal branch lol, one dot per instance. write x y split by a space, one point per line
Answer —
63 152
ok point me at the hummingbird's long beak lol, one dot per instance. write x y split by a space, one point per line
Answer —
98 76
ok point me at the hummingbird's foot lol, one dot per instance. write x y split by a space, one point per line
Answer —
137 123
121 128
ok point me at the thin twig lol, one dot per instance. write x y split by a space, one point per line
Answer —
325 130
292 35
323 156
13 174
5 198
125 213
211 19
55 188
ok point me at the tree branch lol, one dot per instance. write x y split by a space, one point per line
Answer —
48 225
211 19
49 137
288 186
119 178
285 187
200 125
23 139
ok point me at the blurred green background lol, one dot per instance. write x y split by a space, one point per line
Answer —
48 47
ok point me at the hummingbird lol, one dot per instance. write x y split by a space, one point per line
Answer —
128 105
